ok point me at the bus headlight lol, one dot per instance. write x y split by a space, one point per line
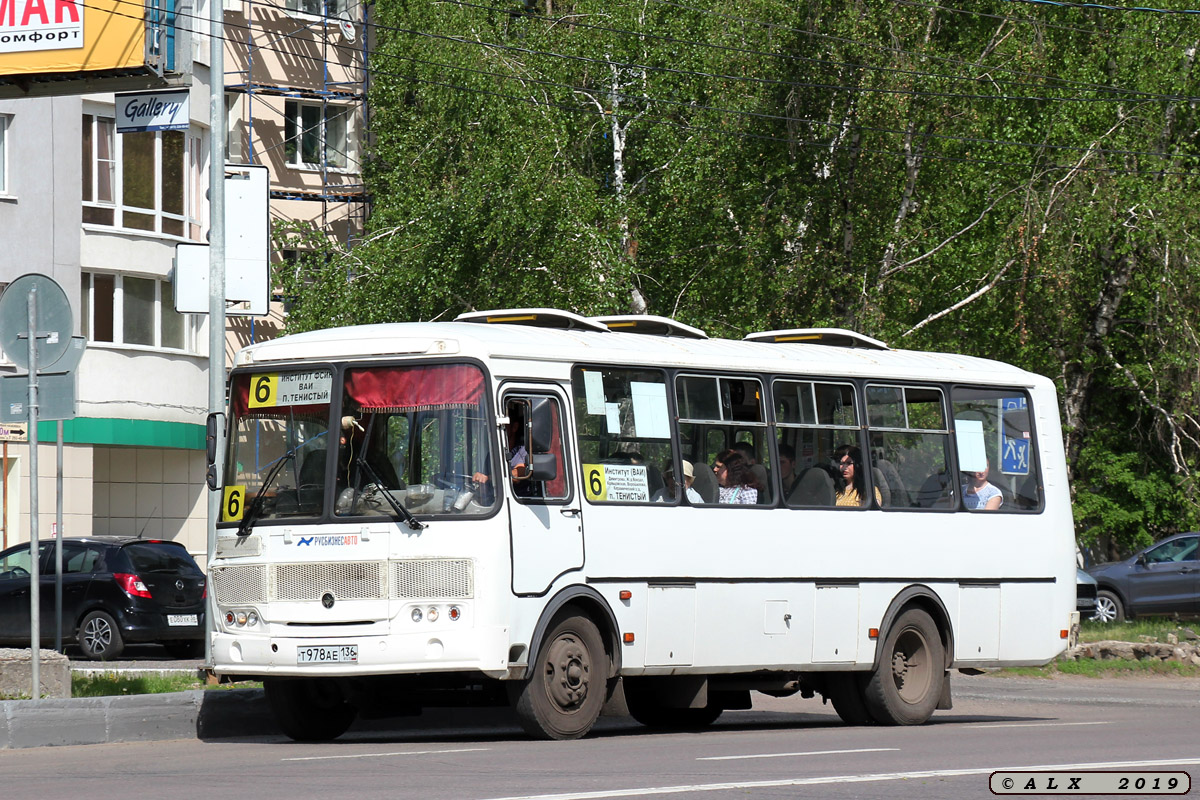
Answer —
416 615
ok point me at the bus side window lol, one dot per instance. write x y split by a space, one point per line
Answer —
520 452
994 431
910 446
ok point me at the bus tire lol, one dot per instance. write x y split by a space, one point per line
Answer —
567 685
308 709
844 690
904 689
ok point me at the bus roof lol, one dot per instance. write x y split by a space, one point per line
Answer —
545 344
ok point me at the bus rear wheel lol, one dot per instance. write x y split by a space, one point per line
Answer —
844 691
566 688
308 709
906 687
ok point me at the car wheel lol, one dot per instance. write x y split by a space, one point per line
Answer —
99 637
1108 607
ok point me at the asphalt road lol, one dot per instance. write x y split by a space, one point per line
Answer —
781 749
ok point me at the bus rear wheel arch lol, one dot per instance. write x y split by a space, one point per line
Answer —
567 682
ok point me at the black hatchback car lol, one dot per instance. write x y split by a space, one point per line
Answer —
116 590
1162 579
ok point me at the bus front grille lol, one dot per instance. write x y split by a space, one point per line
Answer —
424 579
433 579
239 585
345 580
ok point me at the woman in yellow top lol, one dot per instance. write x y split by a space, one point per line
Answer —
848 459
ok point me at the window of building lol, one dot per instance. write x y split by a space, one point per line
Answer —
124 309
316 134
318 8
147 181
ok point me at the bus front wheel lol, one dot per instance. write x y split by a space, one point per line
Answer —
906 687
563 695
308 709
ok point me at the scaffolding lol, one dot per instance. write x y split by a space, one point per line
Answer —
301 63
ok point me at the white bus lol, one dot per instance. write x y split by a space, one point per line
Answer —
495 509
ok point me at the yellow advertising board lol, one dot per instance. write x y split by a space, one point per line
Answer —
69 36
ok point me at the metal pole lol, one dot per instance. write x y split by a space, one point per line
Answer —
35 600
58 536
216 278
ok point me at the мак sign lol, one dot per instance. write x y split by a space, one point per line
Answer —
27 25
152 111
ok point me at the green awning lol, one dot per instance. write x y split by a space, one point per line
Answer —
126 432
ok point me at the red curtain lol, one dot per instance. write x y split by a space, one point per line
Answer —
404 389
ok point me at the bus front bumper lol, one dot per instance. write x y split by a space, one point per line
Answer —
472 649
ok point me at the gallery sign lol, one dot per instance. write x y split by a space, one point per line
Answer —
152 111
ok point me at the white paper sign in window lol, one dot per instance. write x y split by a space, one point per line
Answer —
650 417
972 455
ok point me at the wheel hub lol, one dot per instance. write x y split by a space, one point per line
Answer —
567 673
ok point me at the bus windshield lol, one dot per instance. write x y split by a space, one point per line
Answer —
280 432
414 437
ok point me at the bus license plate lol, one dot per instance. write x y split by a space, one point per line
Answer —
327 654
183 619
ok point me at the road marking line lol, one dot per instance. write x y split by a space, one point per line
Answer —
810 753
870 778
1038 724
383 755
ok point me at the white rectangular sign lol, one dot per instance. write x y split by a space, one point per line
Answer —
152 111
28 25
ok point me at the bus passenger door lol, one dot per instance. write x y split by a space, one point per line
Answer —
544 515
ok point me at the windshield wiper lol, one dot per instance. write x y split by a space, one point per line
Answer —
400 510
363 466
255 509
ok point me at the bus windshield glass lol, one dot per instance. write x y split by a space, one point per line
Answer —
416 438
278 444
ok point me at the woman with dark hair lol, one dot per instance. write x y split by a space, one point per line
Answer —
848 459
737 482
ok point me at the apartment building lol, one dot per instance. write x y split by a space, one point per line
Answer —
101 212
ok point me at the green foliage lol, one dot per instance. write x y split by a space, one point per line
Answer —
1016 183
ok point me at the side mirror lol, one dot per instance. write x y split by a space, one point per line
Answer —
543 467
1141 560
541 424
212 426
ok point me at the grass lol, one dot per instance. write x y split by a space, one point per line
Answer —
109 684
1134 631
1142 630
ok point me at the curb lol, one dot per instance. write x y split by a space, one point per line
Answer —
136 718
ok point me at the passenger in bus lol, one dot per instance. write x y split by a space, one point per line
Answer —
667 493
761 478
737 482
848 459
787 469
979 494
